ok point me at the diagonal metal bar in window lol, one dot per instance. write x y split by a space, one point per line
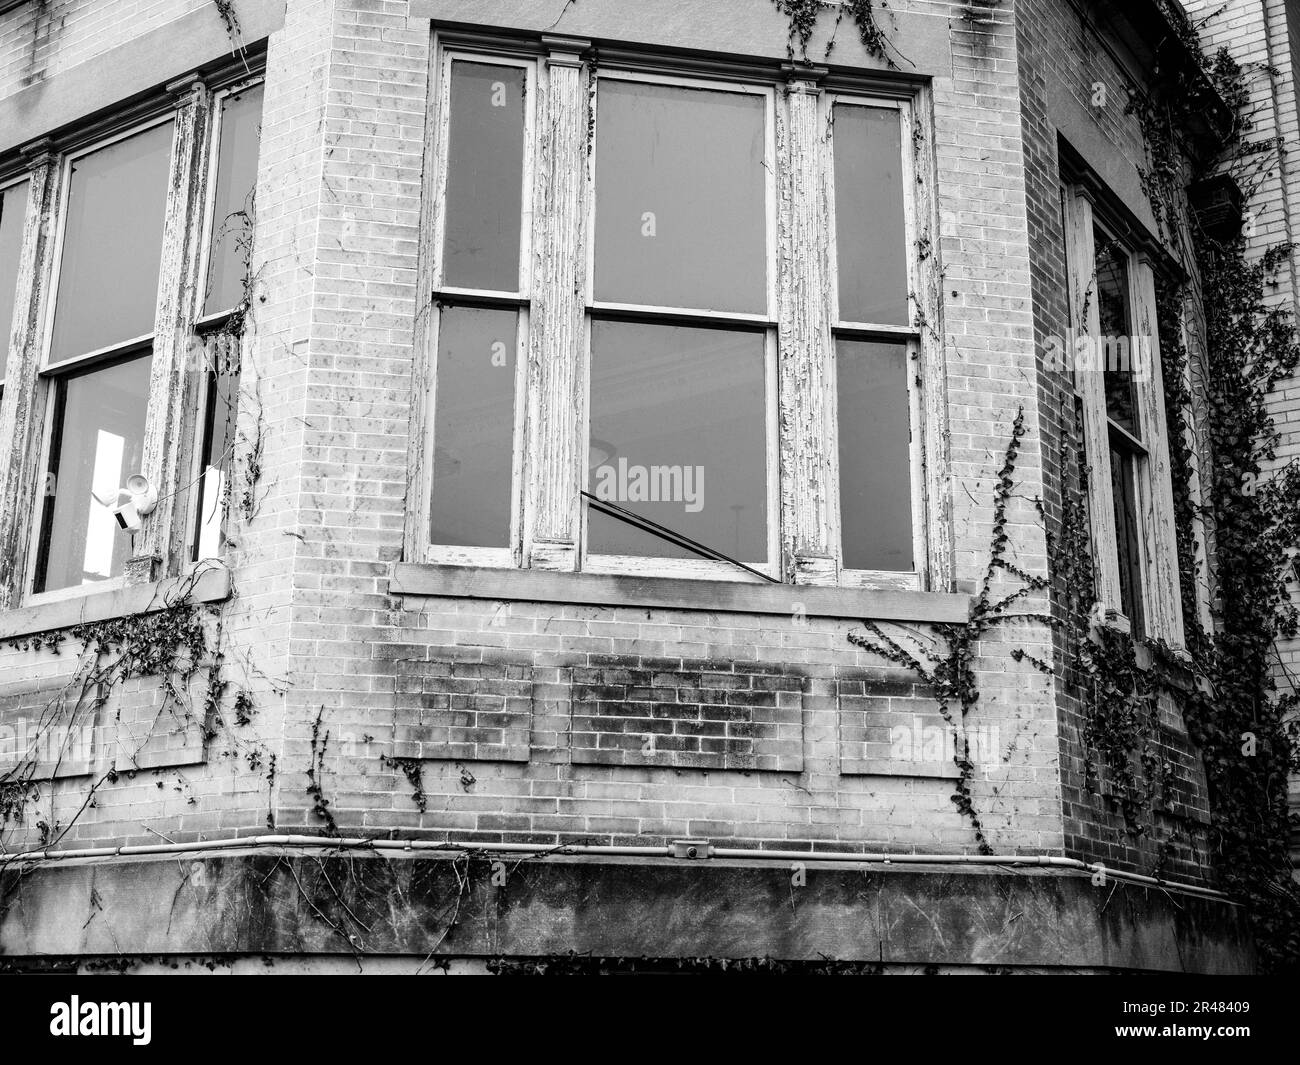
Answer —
664 533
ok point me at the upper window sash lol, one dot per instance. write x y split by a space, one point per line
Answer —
445 284
767 314
50 360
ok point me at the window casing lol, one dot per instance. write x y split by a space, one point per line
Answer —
1117 378
646 317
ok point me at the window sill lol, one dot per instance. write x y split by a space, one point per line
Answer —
734 597
213 586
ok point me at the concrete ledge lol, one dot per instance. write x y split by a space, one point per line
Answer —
598 589
134 67
211 586
288 902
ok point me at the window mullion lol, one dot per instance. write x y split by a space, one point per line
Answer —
23 408
555 372
173 391
809 544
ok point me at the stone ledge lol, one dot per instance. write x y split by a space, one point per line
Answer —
211 586
410 579
241 902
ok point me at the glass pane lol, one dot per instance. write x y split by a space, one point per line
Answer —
96 443
1127 538
875 460
214 459
13 210
108 277
681 198
1114 345
241 133
485 177
473 427
678 435
870 228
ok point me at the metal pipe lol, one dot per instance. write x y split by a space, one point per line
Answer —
596 850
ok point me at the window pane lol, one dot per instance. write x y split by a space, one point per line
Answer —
1114 345
681 197
485 176
875 461
473 427
13 210
214 458
869 220
678 435
96 443
1127 538
108 278
241 132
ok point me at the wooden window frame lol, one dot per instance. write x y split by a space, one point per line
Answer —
553 399
7 328
1160 593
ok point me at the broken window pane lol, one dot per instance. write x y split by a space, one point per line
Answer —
1123 484
96 443
240 133
485 168
13 212
869 221
678 435
222 394
473 427
875 460
681 197
1114 352
112 244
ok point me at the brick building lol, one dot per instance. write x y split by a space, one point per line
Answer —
420 588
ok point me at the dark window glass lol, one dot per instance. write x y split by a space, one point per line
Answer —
484 177
112 244
875 462
218 433
870 231
13 210
1123 469
240 132
96 443
681 198
473 427
1114 352
678 435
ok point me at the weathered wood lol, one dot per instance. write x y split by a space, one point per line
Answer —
1086 321
22 414
807 347
1160 539
557 350
157 546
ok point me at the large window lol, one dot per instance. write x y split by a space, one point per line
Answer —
1117 377
149 230
703 422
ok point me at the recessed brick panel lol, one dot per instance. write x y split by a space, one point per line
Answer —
466 711
744 716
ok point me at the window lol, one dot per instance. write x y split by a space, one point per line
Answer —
150 227
874 341
1117 378
106 298
230 216
481 309
681 328
615 379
